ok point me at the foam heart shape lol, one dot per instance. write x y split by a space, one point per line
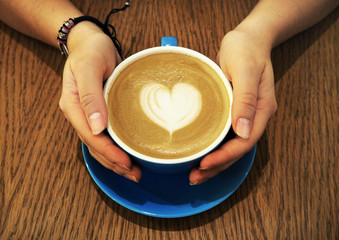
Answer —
171 109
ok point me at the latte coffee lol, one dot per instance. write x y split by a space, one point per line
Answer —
168 105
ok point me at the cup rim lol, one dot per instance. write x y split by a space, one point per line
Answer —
169 49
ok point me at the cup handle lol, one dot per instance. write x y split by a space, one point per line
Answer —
169 41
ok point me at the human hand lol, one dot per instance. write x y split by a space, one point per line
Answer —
245 60
92 59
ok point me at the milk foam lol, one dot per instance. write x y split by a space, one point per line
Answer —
171 109
153 108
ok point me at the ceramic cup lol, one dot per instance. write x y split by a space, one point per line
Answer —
160 164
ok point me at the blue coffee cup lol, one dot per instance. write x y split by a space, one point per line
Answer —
169 165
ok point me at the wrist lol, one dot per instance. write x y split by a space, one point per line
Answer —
252 38
87 40
92 30
80 34
258 33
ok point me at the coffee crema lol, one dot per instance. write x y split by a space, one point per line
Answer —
168 105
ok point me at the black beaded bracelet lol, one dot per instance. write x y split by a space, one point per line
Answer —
107 28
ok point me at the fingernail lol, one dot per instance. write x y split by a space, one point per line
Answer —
194 183
243 128
130 177
95 122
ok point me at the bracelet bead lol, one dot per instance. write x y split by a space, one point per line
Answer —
63 34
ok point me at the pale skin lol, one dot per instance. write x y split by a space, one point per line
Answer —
244 57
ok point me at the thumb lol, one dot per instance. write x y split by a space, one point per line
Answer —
245 93
90 87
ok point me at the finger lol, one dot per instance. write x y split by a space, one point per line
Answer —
101 144
198 176
245 94
89 82
70 105
108 164
235 148
134 173
218 161
232 150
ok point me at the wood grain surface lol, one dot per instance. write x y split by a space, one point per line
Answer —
291 191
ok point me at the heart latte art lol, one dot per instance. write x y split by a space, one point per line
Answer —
168 105
171 109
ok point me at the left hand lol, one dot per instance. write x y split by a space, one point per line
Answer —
246 62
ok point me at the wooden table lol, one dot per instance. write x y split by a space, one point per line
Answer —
291 191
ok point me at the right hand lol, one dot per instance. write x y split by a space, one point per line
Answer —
92 59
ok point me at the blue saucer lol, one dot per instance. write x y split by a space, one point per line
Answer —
168 196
